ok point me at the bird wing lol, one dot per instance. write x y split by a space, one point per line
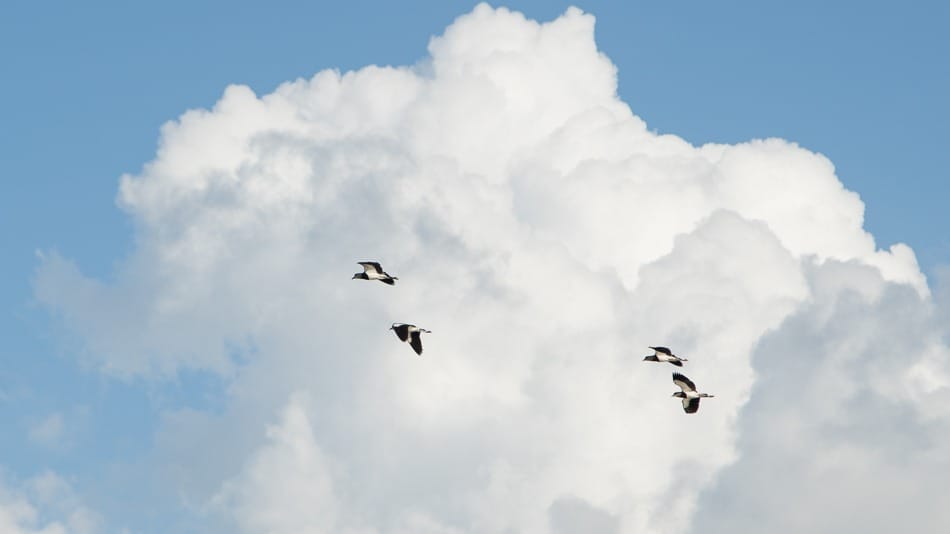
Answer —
663 350
690 405
402 331
371 266
416 341
684 383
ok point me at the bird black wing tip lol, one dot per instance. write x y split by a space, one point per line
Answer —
692 406
401 330
679 377
415 341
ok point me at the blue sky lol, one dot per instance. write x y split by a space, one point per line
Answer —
87 87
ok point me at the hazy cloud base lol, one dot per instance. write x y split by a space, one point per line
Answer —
546 236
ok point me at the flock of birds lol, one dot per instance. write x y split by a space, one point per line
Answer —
688 393
413 335
405 332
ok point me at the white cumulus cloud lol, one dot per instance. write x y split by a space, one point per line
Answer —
546 236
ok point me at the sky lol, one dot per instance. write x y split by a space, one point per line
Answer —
757 185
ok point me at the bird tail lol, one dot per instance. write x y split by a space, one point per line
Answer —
676 363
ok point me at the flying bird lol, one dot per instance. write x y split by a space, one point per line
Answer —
410 333
663 354
374 271
689 394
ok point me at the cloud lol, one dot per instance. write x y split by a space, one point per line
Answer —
574 516
286 486
546 236
45 504
847 424
48 432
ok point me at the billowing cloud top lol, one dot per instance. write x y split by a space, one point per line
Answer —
546 236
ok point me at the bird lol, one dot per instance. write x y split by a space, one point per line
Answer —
663 354
689 394
410 333
374 271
